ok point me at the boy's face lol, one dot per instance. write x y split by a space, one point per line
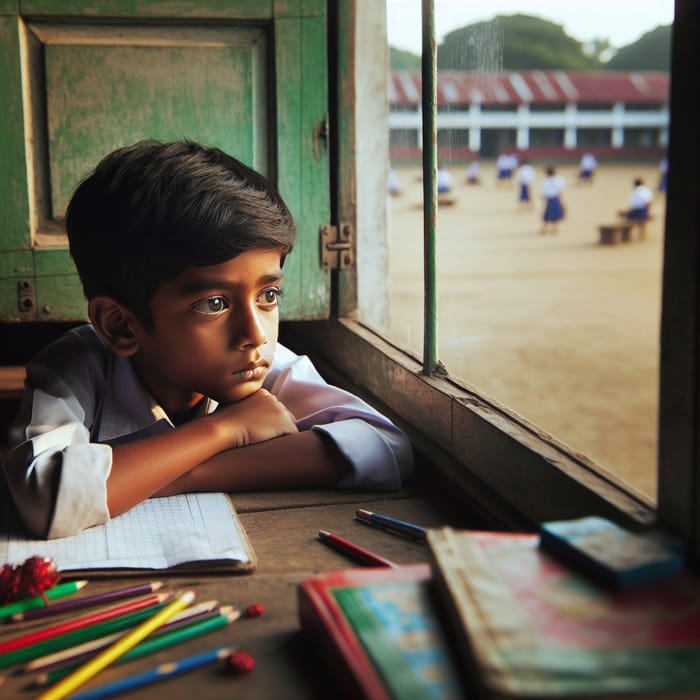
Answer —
214 331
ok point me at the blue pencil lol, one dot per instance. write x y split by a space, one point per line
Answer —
153 675
389 524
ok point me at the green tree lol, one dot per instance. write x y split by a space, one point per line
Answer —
652 51
403 60
513 42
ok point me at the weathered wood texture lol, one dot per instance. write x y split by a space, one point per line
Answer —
81 79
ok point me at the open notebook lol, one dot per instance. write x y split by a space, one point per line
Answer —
190 532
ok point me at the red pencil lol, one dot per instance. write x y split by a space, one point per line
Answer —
359 554
25 640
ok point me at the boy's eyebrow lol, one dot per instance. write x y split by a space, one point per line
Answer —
205 285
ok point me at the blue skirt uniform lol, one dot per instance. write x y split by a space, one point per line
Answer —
553 211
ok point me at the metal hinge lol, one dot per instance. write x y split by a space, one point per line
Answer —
337 247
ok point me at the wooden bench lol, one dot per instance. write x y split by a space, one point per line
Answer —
612 234
640 227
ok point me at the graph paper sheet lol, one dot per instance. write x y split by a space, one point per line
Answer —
192 531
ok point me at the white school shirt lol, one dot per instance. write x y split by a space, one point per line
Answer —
640 197
81 399
553 186
526 174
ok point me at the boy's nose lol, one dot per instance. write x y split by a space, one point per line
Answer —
248 330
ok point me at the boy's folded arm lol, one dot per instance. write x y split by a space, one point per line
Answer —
349 453
297 460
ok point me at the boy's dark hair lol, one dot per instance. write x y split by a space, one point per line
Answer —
152 209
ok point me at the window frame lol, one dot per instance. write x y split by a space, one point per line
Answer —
500 462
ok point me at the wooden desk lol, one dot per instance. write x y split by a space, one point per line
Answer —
283 529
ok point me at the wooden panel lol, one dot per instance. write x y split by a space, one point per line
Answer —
257 9
679 408
164 84
14 222
302 175
92 87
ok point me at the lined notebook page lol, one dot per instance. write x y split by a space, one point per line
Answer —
159 533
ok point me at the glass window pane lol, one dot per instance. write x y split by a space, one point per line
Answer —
547 319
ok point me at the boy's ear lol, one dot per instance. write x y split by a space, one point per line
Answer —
111 320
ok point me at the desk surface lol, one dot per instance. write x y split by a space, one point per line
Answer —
283 529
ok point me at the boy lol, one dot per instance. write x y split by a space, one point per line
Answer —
177 384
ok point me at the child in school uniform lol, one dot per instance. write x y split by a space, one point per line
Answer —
178 383
552 189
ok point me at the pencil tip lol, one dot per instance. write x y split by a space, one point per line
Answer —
156 586
81 584
323 533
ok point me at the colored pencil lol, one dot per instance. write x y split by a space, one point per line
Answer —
153 675
350 549
87 601
389 524
57 591
63 641
25 640
153 644
71 654
88 670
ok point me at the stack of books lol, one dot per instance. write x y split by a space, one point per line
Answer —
499 615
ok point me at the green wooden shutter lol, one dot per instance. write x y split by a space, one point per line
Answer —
82 78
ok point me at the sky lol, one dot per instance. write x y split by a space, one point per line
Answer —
620 21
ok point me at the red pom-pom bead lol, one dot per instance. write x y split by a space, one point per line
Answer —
241 661
37 575
9 583
254 610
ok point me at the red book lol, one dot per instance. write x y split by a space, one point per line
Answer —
378 632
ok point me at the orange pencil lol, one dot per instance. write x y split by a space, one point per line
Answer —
25 640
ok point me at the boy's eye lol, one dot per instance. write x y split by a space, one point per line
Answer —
210 306
270 296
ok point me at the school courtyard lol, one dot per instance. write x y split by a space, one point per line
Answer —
559 328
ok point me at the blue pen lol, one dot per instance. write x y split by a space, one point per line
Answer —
153 675
386 522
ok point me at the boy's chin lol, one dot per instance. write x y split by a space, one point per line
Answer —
240 393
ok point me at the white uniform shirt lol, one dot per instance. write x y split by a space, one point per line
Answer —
553 186
526 174
81 399
640 197
588 162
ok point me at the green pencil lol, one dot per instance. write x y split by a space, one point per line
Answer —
57 591
69 639
148 646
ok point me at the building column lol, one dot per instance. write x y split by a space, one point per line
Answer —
618 130
522 134
475 127
570 137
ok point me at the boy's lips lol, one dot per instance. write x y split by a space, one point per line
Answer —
251 373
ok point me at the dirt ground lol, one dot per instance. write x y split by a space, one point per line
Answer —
557 327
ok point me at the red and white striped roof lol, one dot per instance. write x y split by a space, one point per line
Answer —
518 87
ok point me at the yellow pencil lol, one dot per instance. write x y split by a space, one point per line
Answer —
112 653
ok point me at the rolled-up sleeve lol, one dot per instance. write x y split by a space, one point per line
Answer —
378 451
56 475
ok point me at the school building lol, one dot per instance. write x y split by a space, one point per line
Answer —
538 114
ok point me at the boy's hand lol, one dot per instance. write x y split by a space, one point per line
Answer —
259 417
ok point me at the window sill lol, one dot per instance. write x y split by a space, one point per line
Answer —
498 461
